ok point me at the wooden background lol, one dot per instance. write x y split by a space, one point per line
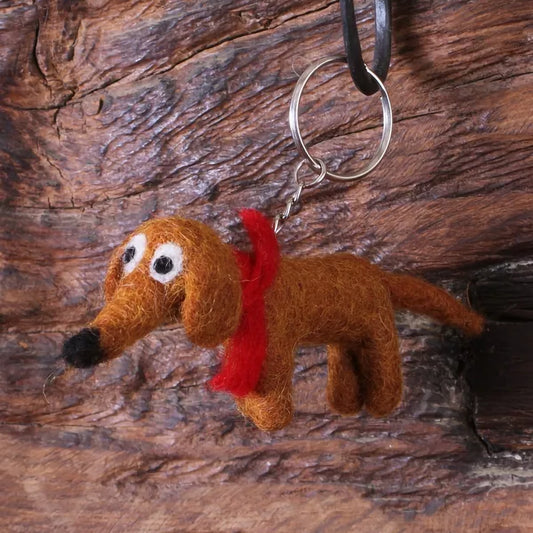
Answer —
113 111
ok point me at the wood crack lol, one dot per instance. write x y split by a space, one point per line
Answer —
192 57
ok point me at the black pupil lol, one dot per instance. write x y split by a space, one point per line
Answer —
163 265
129 254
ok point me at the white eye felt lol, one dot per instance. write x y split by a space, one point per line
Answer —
133 253
167 262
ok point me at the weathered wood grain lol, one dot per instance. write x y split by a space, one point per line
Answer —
112 112
130 504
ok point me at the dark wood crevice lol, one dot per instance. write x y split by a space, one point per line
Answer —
501 373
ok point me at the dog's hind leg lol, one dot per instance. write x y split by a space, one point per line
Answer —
270 405
380 366
344 392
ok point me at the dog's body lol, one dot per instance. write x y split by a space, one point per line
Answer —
348 304
339 300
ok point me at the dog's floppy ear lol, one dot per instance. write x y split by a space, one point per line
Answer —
212 306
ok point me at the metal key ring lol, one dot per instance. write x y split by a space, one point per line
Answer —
295 126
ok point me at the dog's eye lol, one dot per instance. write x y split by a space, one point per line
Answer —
163 265
128 255
133 253
167 262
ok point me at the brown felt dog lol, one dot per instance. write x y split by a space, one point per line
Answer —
175 269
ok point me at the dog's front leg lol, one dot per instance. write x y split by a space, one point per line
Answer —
270 405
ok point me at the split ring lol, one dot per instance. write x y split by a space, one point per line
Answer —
322 172
295 126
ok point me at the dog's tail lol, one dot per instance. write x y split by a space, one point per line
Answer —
408 292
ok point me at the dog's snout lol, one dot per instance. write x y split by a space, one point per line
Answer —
83 349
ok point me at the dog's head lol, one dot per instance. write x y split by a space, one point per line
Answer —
167 270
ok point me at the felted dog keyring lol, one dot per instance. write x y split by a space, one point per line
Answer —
261 306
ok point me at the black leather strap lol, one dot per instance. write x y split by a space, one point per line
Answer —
382 49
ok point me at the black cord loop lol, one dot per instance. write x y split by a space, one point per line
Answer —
382 51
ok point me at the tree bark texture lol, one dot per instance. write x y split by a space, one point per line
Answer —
114 111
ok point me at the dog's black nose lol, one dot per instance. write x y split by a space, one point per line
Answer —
83 350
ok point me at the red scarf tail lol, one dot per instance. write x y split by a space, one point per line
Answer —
246 351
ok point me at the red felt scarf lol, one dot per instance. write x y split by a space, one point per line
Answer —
245 352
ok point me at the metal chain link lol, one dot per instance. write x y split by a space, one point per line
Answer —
282 217
316 164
